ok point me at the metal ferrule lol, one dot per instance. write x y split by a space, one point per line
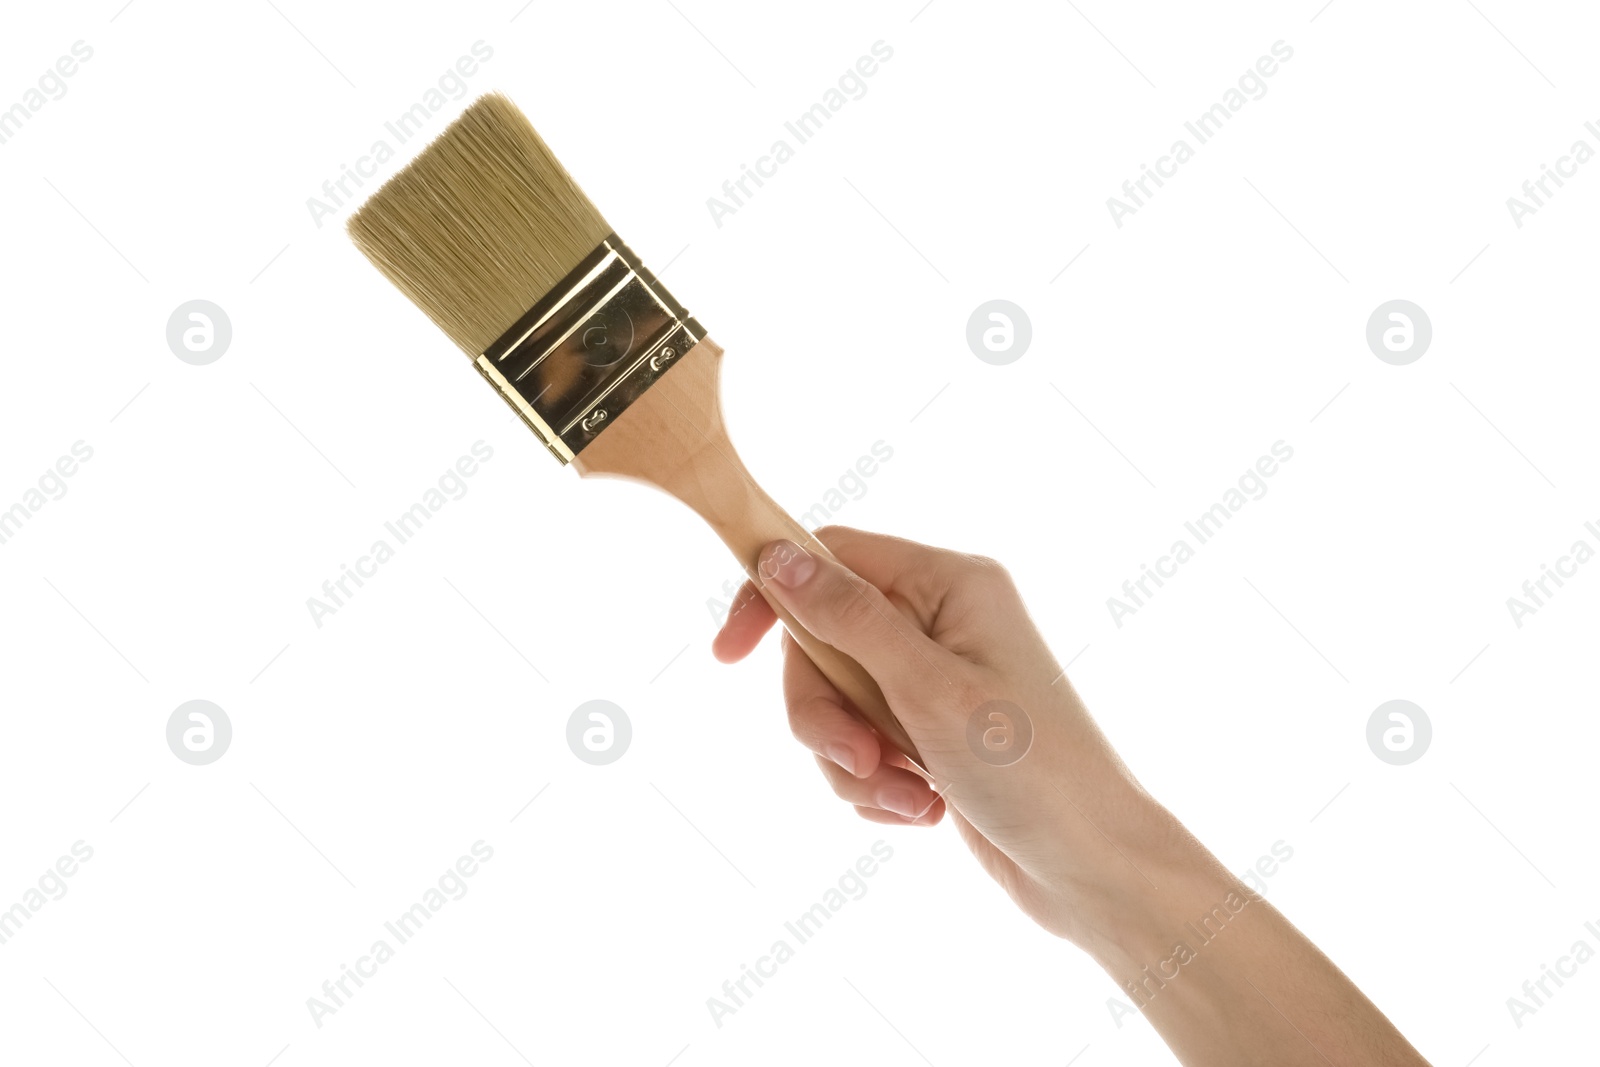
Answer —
589 348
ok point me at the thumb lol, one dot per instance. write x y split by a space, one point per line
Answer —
846 611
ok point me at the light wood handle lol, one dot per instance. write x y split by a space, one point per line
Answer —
673 437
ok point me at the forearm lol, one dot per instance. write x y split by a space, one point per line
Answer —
1219 972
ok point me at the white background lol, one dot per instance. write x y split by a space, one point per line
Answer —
368 754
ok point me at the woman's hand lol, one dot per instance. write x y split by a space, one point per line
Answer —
1043 801
1035 789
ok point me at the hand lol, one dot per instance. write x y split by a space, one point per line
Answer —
1043 801
1034 787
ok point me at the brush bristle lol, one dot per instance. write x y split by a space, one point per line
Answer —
480 225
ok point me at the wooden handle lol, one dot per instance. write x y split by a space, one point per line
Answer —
673 437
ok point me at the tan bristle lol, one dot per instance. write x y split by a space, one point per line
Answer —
480 225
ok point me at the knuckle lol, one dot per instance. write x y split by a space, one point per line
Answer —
988 574
850 608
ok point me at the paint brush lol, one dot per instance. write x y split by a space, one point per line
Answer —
488 234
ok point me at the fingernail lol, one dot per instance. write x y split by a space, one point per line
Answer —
843 756
787 563
900 802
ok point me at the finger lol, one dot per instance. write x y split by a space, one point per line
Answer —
961 600
895 758
818 718
887 788
879 815
748 621
850 614
894 563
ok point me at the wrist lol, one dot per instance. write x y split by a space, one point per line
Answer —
1154 926
1153 881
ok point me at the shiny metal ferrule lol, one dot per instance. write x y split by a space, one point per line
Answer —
589 348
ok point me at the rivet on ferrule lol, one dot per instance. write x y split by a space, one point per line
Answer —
590 347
